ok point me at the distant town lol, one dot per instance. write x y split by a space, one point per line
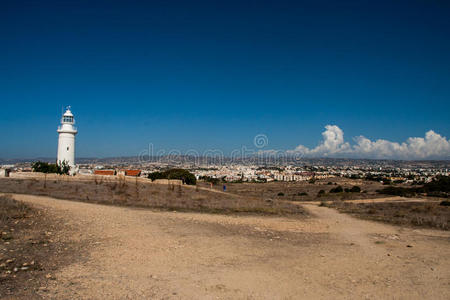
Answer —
254 169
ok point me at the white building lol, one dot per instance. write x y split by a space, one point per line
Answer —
66 140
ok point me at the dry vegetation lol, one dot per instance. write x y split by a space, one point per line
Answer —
423 214
161 196
303 191
31 250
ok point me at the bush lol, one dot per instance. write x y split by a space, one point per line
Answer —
439 184
355 189
281 194
398 191
320 193
337 189
303 194
439 187
445 203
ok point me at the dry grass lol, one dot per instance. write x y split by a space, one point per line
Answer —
422 214
11 209
161 196
295 191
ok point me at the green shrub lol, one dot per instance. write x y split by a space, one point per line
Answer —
337 189
44 167
398 191
355 189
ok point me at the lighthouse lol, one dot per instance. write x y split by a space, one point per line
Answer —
66 140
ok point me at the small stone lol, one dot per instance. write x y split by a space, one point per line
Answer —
24 268
48 276
15 269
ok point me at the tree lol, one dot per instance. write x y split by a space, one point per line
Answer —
210 179
44 167
64 168
156 175
181 174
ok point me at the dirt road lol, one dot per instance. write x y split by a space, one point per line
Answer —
133 253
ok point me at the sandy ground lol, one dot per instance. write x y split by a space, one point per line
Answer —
136 253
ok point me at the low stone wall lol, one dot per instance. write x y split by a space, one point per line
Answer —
168 181
79 177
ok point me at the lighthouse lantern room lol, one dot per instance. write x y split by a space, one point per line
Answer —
66 140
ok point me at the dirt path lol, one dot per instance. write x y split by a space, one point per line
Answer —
134 253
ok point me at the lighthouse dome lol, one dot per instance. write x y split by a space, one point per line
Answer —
68 117
68 113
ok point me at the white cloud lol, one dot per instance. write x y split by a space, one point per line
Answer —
432 146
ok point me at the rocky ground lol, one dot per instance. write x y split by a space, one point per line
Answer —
34 245
139 253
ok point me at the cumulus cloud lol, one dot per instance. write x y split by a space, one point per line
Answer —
432 146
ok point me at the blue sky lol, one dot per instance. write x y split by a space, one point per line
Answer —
213 74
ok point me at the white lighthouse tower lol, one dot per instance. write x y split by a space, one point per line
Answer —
66 140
